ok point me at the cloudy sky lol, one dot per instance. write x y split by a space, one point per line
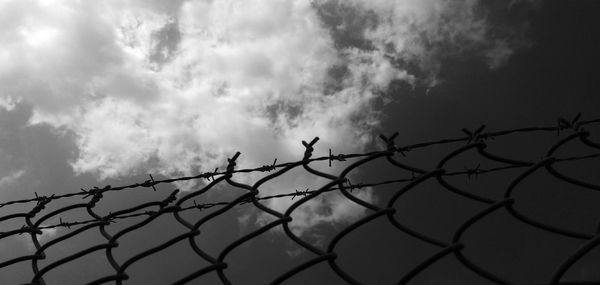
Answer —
105 92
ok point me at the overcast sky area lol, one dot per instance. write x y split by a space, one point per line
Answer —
96 93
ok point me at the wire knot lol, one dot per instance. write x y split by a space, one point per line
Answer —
150 183
300 193
573 124
41 204
339 157
476 136
269 168
210 175
28 229
309 147
171 198
231 162
354 186
42 200
473 172
390 144
198 206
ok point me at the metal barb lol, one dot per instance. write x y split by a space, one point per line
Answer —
153 182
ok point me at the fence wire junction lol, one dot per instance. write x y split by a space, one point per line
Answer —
568 132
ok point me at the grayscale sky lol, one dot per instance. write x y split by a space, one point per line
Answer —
96 93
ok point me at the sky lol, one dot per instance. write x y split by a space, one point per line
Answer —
106 92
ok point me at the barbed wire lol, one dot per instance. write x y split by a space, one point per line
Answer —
173 205
562 124
470 173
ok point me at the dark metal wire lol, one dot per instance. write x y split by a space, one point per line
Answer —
476 141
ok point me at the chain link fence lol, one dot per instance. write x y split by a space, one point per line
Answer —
475 142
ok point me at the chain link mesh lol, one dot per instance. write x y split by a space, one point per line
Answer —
175 203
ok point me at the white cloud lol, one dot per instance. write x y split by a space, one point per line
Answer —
11 178
330 209
46 235
175 88
8 103
425 32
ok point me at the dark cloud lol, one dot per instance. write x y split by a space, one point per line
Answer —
347 24
165 42
41 151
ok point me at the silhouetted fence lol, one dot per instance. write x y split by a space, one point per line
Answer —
568 131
